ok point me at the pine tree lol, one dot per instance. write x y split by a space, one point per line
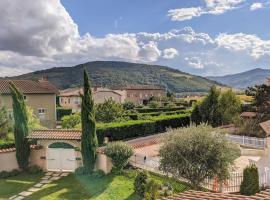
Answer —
20 127
89 140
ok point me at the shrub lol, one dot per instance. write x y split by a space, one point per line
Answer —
98 174
80 171
250 183
71 121
128 105
119 152
6 174
6 144
151 190
61 112
154 104
140 182
34 169
109 111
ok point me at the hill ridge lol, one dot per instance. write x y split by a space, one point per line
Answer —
116 73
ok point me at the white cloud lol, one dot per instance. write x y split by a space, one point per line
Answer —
195 62
213 7
256 6
183 14
41 34
252 44
170 53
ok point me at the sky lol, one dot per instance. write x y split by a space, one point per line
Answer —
202 37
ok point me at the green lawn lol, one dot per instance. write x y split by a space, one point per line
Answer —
17 184
109 187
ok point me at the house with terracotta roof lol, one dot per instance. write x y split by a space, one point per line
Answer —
70 98
140 93
40 95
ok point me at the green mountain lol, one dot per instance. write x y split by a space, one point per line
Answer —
244 79
113 73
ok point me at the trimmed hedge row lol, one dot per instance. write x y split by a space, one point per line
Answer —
6 145
61 112
135 116
139 128
150 110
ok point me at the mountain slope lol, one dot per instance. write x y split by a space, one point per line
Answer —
112 73
244 79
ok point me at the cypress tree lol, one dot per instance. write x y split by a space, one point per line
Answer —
89 140
20 127
250 184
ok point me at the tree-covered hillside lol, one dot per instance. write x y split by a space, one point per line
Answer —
113 73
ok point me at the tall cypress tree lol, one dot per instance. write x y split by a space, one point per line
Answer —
89 142
20 127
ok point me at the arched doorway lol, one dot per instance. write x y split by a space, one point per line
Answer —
61 157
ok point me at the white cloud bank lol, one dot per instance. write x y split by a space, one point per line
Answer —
41 34
213 7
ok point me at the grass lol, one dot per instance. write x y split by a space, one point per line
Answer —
113 187
17 184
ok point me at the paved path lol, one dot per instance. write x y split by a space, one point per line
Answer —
48 178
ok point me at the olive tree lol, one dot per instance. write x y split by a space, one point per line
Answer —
119 152
197 152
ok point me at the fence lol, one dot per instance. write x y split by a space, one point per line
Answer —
232 184
254 142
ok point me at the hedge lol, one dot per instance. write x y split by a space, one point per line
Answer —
61 112
6 145
150 110
136 116
138 128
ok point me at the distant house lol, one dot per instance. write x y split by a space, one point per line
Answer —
39 95
140 93
70 98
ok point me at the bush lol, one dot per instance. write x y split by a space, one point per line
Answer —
151 190
119 152
80 171
109 111
250 183
140 182
34 169
6 144
154 104
128 105
98 174
61 112
6 174
71 121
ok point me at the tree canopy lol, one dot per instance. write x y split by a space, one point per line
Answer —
197 152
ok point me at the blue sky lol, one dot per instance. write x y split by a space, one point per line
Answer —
99 17
204 37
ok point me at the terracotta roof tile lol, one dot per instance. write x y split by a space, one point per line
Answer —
194 195
12 149
29 86
56 134
266 126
